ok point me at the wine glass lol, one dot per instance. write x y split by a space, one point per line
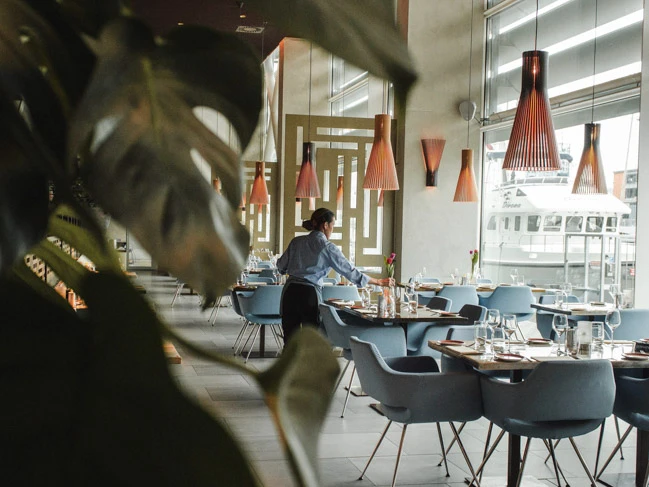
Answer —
366 297
510 326
423 271
559 325
514 275
276 274
493 319
411 295
455 275
613 320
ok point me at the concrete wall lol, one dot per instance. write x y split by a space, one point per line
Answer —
434 231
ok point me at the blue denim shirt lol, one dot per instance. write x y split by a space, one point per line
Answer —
311 257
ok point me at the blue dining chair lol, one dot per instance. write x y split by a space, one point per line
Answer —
255 279
411 390
347 293
634 324
234 298
389 340
416 330
516 300
459 295
262 309
543 405
267 273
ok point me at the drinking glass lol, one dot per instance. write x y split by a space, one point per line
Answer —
598 335
558 299
417 279
493 319
244 276
613 320
276 275
559 325
455 275
498 339
366 297
521 280
514 275
614 291
566 287
480 336
423 271
509 326
411 295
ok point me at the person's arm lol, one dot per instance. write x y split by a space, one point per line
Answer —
345 268
282 262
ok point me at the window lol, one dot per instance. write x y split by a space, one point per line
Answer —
594 224
631 193
552 223
506 224
533 223
611 224
573 224
517 223
632 178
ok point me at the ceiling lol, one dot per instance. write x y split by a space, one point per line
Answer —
163 15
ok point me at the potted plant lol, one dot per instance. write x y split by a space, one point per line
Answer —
86 91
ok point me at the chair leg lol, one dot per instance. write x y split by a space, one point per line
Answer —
349 389
556 443
583 463
488 440
242 344
520 472
215 309
546 443
396 467
375 448
450 445
599 445
617 447
554 461
464 454
486 458
242 332
253 343
179 289
340 377
617 430
441 442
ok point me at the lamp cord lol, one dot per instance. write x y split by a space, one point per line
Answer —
308 135
468 127
592 110
262 128
536 24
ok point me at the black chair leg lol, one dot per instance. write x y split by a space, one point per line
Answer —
441 442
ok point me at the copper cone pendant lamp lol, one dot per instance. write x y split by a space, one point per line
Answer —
307 181
432 149
381 171
466 189
216 184
340 193
532 144
590 174
259 193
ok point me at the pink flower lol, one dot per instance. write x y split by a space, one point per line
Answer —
390 259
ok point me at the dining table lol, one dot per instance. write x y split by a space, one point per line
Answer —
533 352
586 310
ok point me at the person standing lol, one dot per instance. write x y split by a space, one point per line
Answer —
307 260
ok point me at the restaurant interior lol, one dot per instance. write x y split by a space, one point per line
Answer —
503 196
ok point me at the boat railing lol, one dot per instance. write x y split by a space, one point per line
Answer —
535 180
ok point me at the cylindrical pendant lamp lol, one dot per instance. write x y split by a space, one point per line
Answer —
307 181
381 171
259 193
432 150
466 189
532 144
590 174
340 193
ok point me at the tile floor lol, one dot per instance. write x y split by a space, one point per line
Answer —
345 443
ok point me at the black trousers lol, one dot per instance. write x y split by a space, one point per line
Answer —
299 308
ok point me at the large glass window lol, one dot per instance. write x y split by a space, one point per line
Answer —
556 225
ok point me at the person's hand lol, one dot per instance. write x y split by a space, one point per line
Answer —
387 282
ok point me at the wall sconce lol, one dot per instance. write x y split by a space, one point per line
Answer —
432 150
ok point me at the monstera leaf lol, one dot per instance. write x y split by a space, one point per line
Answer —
137 118
361 32
90 16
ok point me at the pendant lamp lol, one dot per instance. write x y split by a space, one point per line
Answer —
532 144
466 189
259 193
379 202
590 173
340 193
432 150
307 181
381 171
216 184
242 205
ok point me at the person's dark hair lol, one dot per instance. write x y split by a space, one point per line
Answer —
318 218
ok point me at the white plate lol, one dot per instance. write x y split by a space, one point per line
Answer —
635 356
509 357
539 341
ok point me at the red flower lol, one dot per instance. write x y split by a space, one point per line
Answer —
390 259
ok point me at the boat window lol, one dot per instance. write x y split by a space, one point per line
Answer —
611 224
573 224
506 225
533 223
492 223
594 224
517 223
552 223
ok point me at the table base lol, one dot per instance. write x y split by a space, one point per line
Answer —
356 391
618 479
377 407
528 481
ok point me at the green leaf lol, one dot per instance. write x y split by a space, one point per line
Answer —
133 416
138 112
89 16
362 32
23 188
298 392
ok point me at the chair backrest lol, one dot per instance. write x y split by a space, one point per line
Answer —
459 295
483 280
264 264
631 403
460 333
473 312
267 273
440 302
252 278
634 324
512 300
265 301
234 296
552 390
427 280
552 298
348 293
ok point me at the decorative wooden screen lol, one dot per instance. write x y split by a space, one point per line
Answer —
363 230
261 221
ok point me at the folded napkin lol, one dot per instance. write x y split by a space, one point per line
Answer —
551 358
342 302
443 313
464 350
